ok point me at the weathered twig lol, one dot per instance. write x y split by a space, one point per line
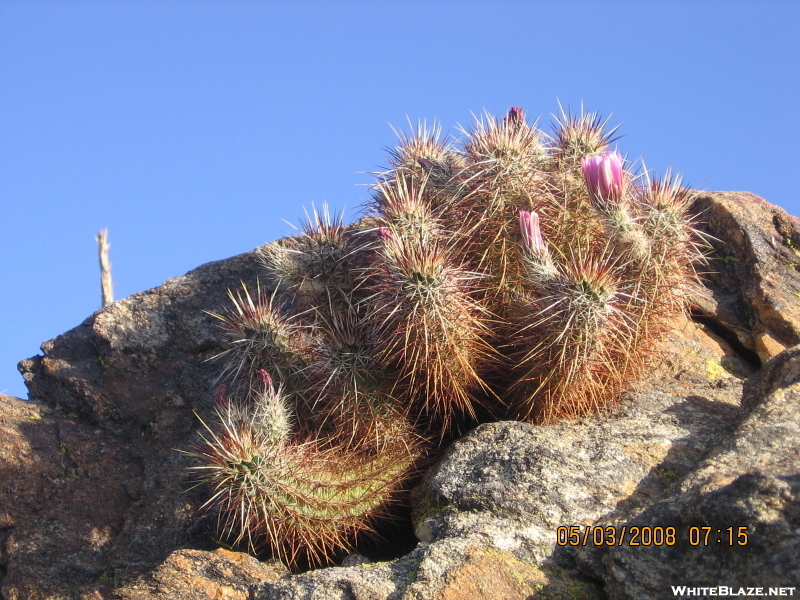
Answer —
105 267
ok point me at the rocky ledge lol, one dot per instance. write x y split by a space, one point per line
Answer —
704 455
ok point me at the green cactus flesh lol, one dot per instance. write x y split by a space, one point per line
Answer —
303 499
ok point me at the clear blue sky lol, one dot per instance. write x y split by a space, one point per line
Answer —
191 129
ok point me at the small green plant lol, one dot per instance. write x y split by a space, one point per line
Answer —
733 367
111 578
517 274
714 370
668 473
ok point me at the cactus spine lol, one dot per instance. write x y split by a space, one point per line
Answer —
520 275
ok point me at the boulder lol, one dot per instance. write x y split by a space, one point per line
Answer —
98 500
754 275
191 574
736 514
97 486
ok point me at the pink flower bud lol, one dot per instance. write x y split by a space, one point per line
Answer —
265 378
219 395
531 233
515 117
605 177
385 233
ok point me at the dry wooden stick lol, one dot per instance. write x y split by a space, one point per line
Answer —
105 267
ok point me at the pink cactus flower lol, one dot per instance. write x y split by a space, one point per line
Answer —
219 395
605 177
385 233
265 378
515 117
531 233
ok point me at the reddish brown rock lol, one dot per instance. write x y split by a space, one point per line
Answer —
198 575
60 512
99 489
754 270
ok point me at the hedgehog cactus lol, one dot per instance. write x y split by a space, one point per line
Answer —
304 498
519 275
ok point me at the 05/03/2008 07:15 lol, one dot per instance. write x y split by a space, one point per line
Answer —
611 535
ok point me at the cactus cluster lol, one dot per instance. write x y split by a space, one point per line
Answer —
516 274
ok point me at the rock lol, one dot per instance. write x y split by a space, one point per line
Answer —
452 569
97 499
140 364
99 491
506 488
198 575
746 492
371 581
755 270
65 494
565 475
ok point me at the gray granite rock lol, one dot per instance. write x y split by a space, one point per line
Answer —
750 482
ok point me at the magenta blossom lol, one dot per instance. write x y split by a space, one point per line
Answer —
515 117
605 177
265 378
385 233
219 395
531 233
